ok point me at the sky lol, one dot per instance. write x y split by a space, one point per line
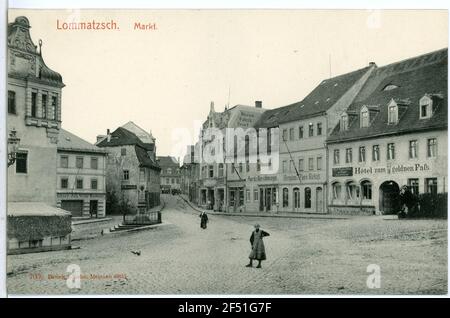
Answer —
164 79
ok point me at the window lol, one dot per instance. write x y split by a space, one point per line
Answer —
233 167
301 164
220 169
431 185
79 183
412 149
300 132
21 162
311 163
285 197
255 195
94 163
11 102
348 155
167 180
247 195
392 114
364 118
413 185
241 168
291 166
126 175
172 180
352 191
169 170
336 157
284 134
319 129
64 183
362 154
391 151
311 130
33 104
64 161
431 147
44 105
247 166
319 163
337 190
142 174
344 122
366 188
258 165
307 198
425 107
53 108
211 171
94 184
375 153
291 133
79 162
123 151
284 166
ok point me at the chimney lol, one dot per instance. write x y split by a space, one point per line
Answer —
211 108
372 64
108 135
258 104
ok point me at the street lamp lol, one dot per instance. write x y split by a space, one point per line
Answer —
13 146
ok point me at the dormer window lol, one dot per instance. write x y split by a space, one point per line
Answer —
392 113
390 87
364 117
425 107
344 122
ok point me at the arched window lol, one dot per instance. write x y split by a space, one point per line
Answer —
296 198
366 189
337 191
353 191
285 197
307 198
425 107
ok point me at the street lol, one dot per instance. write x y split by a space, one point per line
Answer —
304 256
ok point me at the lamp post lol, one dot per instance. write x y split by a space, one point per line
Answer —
13 146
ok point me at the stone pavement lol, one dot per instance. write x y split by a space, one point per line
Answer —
305 256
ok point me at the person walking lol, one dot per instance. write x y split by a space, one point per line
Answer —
258 250
203 220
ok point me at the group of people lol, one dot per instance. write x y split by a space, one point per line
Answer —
258 251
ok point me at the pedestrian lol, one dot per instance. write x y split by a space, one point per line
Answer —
258 250
203 220
408 202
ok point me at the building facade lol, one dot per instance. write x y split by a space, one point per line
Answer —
132 173
393 135
171 176
81 177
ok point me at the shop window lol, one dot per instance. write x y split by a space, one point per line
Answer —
337 191
366 187
352 191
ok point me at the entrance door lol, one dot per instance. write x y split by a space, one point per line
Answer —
296 200
389 197
319 200
261 200
93 208
268 199
73 206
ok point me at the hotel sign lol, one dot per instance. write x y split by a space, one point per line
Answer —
343 172
129 187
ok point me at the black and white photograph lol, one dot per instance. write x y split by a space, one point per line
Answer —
226 152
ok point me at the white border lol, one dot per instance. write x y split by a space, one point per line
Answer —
172 4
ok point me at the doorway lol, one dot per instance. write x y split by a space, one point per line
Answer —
296 200
389 197
93 208
319 200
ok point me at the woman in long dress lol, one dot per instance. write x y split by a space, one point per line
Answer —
203 220
258 250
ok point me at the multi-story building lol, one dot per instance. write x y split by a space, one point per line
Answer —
34 115
298 183
222 180
190 175
132 173
393 134
80 176
170 174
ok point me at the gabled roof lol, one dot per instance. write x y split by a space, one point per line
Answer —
142 134
167 161
124 137
70 142
414 78
324 96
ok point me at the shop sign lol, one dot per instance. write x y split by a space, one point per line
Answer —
343 172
